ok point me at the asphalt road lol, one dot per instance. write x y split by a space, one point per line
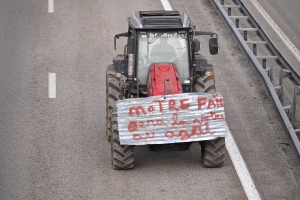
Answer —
57 148
285 13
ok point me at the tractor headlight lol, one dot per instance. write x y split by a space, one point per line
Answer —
209 73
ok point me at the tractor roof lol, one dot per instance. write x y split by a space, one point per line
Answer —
160 20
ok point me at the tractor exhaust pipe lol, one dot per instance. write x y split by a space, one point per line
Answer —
130 59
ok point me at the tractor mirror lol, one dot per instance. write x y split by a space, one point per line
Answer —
196 45
213 46
126 34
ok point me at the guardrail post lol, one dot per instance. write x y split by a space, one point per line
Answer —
269 72
254 49
264 63
245 35
289 111
283 74
296 92
279 92
279 89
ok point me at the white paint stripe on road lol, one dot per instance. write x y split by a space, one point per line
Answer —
241 168
166 4
277 30
51 6
234 153
52 85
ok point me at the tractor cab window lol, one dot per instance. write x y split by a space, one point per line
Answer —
162 47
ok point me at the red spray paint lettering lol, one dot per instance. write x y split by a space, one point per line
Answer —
133 125
138 137
212 116
185 135
137 110
195 127
175 120
172 106
214 102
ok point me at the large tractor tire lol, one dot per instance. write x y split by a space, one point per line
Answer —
112 95
212 151
122 155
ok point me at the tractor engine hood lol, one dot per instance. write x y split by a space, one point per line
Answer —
163 79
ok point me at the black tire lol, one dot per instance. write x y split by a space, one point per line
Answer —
112 95
122 155
212 151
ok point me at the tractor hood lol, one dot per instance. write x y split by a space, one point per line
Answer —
163 79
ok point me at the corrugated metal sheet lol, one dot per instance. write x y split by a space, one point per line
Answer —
171 118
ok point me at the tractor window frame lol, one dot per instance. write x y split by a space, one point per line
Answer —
178 39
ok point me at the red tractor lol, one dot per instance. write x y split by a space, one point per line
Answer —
160 58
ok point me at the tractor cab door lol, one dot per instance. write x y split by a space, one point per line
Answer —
162 47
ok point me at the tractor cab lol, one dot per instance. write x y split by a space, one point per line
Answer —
162 37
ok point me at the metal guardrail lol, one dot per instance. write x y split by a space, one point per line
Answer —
265 74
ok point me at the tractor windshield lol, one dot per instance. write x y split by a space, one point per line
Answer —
162 47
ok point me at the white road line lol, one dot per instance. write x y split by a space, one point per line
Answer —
166 4
234 153
241 168
276 28
52 85
51 6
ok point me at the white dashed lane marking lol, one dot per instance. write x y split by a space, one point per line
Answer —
52 85
166 4
51 6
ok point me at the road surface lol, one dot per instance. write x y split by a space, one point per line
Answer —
56 148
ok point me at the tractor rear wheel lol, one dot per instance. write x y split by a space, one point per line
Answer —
112 95
122 155
212 151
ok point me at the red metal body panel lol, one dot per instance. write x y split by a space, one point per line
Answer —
163 79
